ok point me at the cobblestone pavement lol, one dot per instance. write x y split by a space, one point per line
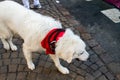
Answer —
13 65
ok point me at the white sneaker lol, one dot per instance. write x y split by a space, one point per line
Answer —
57 1
35 6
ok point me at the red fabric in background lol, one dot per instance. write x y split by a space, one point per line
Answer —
114 2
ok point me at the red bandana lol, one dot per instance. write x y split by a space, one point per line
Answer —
50 39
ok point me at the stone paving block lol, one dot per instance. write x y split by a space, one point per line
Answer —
79 78
81 29
2 76
72 67
62 77
92 43
76 32
88 63
55 74
23 61
44 77
100 63
73 22
64 63
89 70
103 69
21 76
86 36
11 76
6 61
5 55
94 66
21 67
83 66
118 76
49 60
91 52
12 68
72 28
41 63
88 48
14 55
106 58
1 46
31 76
110 76
48 64
64 11
102 78
89 77
35 55
27 69
21 55
2 51
76 63
0 56
43 57
99 50
38 69
46 71
80 72
115 67
3 69
72 75
16 61
63 19
1 62
94 58
96 74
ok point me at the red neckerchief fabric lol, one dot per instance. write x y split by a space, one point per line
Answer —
50 39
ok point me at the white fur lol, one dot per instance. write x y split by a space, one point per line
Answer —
33 27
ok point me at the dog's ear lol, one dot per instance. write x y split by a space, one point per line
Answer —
69 32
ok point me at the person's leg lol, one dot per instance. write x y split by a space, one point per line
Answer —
26 3
36 4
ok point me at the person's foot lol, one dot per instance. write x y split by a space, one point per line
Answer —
35 6
57 1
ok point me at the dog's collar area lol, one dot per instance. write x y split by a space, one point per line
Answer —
50 40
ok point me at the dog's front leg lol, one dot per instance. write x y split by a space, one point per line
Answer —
28 57
62 69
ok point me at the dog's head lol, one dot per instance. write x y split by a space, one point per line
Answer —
70 47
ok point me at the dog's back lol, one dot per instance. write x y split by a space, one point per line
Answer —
22 20
13 15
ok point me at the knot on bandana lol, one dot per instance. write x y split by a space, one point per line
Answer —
50 40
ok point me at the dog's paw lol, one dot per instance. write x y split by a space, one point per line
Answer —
31 66
14 48
64 70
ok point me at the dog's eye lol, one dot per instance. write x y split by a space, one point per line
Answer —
80 53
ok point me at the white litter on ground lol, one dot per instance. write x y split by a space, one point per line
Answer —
113 14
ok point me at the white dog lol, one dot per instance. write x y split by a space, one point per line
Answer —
39 33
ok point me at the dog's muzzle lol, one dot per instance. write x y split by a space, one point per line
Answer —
83 57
